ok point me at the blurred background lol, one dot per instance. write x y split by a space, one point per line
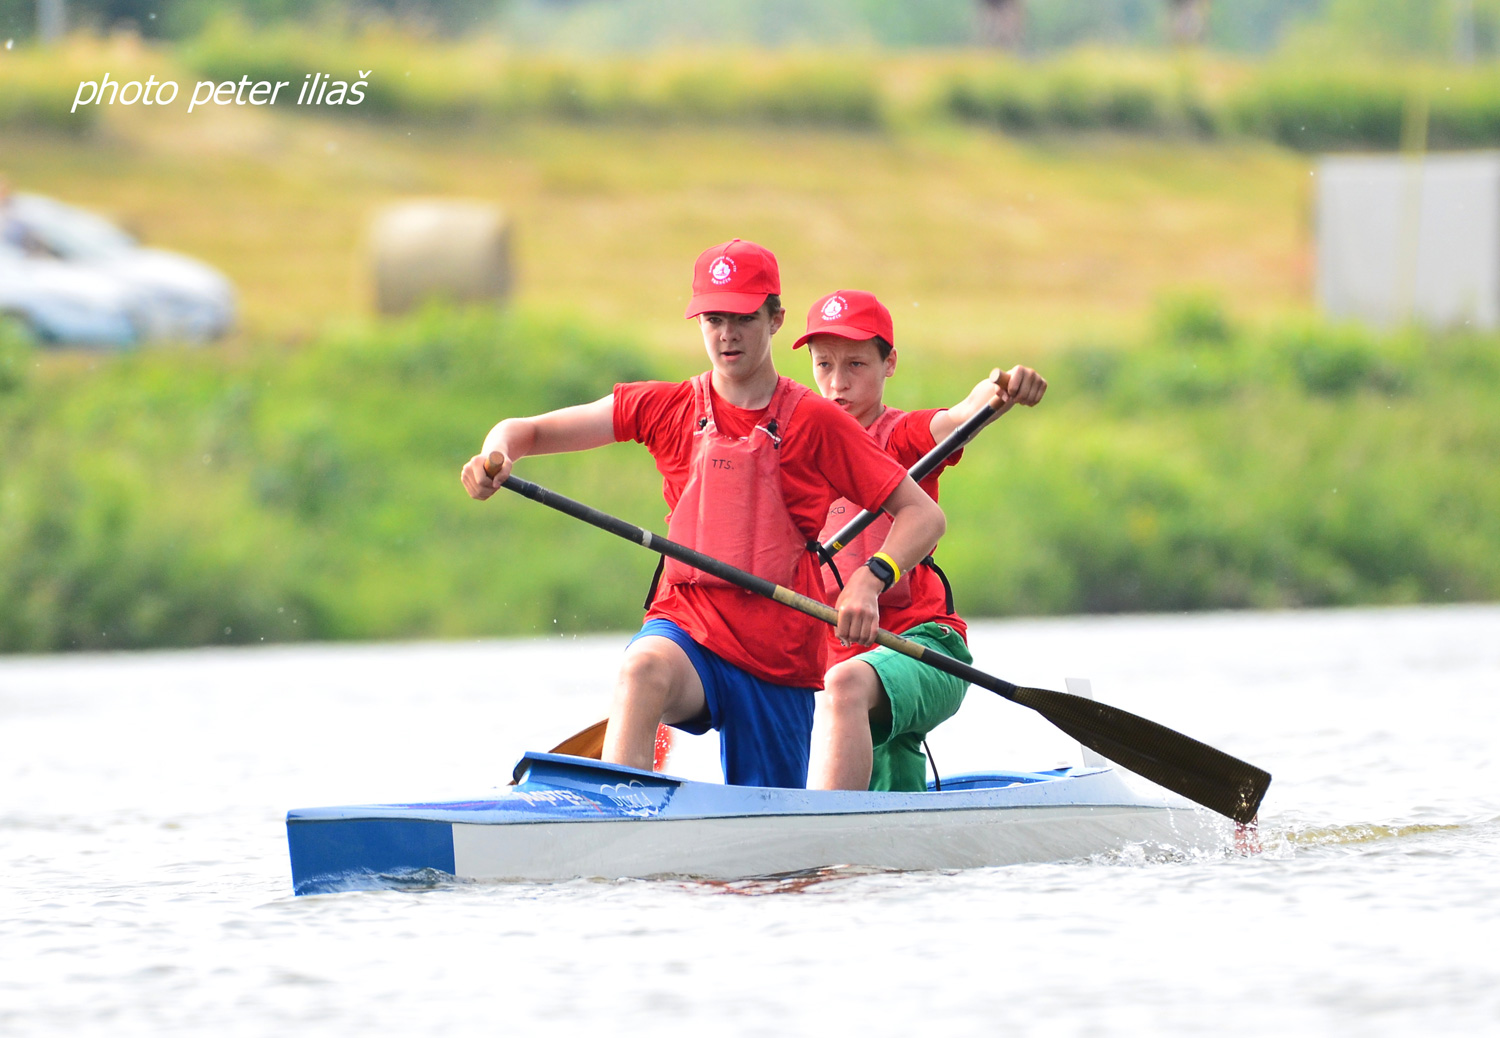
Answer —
1254 246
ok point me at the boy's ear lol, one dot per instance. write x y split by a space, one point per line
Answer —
890 363
776 320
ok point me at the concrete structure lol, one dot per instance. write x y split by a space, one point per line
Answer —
1410 238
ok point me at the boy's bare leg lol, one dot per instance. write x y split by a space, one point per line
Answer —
842 754
657 684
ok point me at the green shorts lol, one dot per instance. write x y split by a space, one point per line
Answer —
922 698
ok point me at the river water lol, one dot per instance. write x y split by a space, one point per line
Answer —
145 884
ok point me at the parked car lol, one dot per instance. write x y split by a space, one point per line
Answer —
71 276
57 302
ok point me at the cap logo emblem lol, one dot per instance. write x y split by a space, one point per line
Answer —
833 308
721 270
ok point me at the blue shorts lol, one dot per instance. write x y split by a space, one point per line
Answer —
765 730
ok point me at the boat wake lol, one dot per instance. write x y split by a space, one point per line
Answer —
1299 837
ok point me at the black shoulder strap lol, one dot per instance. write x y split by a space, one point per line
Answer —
931 564
661 564
826 558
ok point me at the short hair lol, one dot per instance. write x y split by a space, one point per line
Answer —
771 306
882 347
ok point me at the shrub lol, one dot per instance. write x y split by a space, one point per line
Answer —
37 88
1194 318
1343 359
482 80
1084 91
307 494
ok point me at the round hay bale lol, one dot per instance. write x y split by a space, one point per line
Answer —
440 249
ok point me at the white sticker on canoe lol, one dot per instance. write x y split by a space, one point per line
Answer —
555 798
632 797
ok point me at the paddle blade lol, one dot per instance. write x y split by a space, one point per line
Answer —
1184 765
587 743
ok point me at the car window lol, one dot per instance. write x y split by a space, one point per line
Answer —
68 233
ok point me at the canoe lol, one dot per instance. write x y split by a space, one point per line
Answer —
572 817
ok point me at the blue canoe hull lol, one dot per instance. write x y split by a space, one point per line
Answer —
571 817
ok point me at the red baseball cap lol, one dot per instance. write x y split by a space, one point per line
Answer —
733 278
849 315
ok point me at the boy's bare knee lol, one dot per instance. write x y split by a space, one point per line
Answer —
658 678
640 670
850 687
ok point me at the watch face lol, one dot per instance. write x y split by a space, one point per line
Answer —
882 569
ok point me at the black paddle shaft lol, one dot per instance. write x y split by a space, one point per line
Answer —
1184 765
918 472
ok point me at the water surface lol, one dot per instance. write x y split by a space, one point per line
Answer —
146 888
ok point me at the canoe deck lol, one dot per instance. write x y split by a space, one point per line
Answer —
571 817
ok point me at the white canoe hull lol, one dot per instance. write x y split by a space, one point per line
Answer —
574 818
732 848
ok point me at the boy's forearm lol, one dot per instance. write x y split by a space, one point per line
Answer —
513 437
917 525
909 544
945 422
556 432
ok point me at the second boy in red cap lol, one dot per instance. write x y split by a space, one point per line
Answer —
750 464
876 707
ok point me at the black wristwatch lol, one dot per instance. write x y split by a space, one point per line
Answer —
883 570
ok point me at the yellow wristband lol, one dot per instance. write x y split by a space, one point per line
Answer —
891 563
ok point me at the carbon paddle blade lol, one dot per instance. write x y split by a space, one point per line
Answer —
1184 765
587 743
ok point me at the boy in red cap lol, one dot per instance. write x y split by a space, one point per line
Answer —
876 707
750 464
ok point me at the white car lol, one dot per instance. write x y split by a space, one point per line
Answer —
73 277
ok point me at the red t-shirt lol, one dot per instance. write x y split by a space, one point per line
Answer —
825 455
910 440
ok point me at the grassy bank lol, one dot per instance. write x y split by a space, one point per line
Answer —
1310 101
183 498
1215 468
